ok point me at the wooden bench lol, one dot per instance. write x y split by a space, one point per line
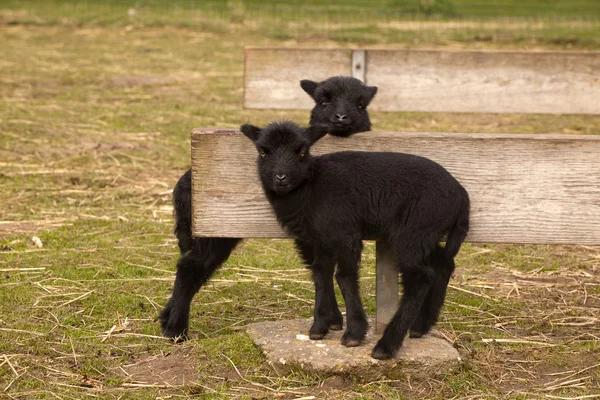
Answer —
541 189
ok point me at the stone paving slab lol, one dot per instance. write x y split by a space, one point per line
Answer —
287 346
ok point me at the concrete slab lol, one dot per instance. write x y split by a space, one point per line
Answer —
287 346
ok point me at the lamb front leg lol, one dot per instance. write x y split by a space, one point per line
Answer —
326 315
308 256
347 279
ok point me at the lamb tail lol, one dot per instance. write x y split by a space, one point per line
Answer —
459 231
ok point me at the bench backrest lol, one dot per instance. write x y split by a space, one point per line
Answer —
565 82
523 188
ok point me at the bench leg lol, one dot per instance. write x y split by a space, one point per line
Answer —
386 292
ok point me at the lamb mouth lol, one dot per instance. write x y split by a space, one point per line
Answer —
341 124
282 189
340 128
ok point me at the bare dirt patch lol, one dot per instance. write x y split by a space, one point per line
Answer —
176 368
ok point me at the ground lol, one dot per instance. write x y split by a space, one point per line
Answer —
95 118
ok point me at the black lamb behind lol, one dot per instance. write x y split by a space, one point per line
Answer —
341 102
341 99
331 202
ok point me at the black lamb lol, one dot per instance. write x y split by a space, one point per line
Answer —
341 102
331 202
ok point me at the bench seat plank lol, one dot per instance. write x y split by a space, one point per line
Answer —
524 188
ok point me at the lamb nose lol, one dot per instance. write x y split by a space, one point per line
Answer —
341 117
281 177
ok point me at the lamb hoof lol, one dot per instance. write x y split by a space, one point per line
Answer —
163 317
336 327
415 335
336 321
351 341
381 353
179 338
319 329
175 331
177 335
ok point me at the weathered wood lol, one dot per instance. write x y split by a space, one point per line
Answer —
386 289
272 75
565 82
523 188
486 81
359 64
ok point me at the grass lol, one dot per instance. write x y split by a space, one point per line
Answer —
558 23
95 117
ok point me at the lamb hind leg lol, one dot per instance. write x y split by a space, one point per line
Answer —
334 316
182 206
193 270
432 304
430 311
417 281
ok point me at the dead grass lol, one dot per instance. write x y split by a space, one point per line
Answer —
95 126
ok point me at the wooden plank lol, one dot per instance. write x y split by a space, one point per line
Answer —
485 81
272 75
523 188
563 82
386 289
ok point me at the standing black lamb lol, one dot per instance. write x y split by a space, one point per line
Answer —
342 103
332 202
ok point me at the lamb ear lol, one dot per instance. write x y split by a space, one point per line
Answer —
251 131
309 87
316 132
371 92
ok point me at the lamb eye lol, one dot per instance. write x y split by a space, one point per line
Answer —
324 103
263 154
301 154
361 106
